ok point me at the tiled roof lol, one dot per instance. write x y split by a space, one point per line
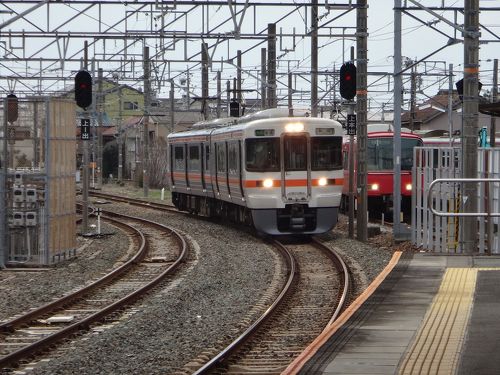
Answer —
431 108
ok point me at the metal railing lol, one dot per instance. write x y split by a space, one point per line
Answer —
438 203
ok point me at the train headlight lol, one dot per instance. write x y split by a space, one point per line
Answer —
408 187
294 127
375 187
267 183
322 181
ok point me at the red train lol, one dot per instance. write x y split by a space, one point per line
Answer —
380 178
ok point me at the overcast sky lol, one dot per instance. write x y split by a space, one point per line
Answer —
419 40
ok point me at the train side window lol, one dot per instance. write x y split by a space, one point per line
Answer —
179 158
233 158
194 158
221 158
262 154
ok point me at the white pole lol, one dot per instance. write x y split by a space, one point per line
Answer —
162 193
99 223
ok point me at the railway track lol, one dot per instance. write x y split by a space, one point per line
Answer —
37 330
315 292
135 201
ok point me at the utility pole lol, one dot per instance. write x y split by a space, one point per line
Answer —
3 188
494 95
99 129
147 99
36 139
204 80
361 93
263 78
238 78
271 65
450 103
400 232
290 93
93 127
85 170
413 92
219 93
470 122
172 107
228 96
119 138
314 58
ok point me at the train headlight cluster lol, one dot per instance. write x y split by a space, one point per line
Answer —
408 187
267 183
375 187
322 181
294 127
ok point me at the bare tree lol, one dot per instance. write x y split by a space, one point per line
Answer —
157 169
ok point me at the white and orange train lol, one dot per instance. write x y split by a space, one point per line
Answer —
281 174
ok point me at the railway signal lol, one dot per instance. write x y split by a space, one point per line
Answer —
83 89
234 109
460 88
12 108
348 81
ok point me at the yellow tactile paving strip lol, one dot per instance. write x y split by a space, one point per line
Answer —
437 344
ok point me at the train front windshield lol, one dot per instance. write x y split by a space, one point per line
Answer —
263 154
380 153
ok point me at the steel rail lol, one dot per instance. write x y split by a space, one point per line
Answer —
344 275
135 201
292 277
85 323
30 316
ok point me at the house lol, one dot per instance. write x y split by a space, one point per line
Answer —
432 114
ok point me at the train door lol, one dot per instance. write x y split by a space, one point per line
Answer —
295 167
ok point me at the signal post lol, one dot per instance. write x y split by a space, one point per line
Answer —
83 98
348 92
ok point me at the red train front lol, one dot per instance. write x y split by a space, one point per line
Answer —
379 163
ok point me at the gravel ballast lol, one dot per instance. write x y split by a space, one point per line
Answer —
227 272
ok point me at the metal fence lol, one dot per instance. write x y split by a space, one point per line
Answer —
437 217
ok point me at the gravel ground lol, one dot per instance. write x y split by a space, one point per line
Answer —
226 275
21 290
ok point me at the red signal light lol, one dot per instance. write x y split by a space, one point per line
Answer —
83 89
347 81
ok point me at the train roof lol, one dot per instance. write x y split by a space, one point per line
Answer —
265 117
385 127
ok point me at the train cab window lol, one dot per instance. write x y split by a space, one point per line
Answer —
295 153
380 153
262 154
179 158
326 153
233 157
194 158
407 146
221 157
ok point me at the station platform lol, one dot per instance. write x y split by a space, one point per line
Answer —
425 314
